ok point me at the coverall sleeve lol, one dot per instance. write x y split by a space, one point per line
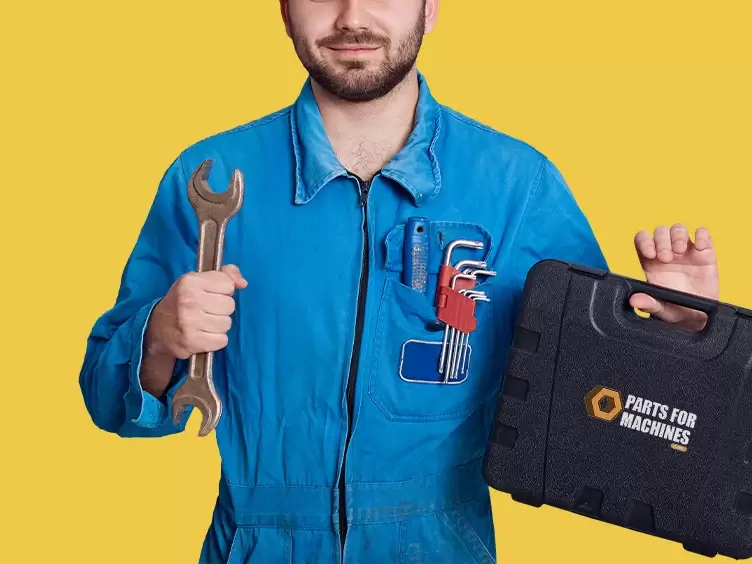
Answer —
164 250
553 227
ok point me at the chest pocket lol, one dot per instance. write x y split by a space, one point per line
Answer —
406 382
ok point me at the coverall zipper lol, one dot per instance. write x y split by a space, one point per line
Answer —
364 187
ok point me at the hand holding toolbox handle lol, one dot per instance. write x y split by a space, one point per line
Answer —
612 315
675 297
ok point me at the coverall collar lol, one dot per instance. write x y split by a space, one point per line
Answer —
415 167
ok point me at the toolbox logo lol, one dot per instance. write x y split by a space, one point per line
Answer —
642 415
603 403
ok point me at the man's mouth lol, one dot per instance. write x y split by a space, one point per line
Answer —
354 47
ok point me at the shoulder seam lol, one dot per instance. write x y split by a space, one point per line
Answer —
488 129
246 126
257 122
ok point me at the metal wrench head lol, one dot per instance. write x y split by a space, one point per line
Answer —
193 392
211 205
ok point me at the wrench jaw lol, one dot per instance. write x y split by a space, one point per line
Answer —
208 204
210 408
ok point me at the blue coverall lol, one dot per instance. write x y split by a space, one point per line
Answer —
335 446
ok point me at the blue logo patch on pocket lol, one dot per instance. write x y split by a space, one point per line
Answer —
419 363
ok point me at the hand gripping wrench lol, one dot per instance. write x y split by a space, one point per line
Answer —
214 210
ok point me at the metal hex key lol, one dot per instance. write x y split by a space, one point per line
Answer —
214 210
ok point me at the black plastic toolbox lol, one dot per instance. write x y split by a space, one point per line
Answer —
628 419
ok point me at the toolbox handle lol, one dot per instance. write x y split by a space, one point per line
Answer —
675 297
707 343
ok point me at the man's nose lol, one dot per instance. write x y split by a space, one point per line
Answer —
353 16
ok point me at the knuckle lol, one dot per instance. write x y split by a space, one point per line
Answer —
182 353
188 280
183 315
185 301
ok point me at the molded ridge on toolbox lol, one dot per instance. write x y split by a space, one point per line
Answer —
625 419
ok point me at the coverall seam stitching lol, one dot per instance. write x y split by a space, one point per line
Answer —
415 514
470 528
251 526
139 335
488 129
373 485
182 169
257 122
525 214
376 350
435 167
284 487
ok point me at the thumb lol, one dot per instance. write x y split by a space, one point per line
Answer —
234 273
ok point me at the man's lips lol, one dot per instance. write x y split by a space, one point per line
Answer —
355 48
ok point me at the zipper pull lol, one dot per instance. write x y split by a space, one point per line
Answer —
364 188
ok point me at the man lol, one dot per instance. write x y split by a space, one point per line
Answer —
332 450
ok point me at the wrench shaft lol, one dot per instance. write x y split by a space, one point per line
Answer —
211 244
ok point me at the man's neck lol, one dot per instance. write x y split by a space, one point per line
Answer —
366 135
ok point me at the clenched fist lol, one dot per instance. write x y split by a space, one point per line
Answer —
192 318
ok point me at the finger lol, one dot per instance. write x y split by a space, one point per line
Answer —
702 239
210 342
215 323
662 237
645 245
234 273
217 282
667 312
218 304
647 304
679 238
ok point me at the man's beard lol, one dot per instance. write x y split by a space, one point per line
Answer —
356 83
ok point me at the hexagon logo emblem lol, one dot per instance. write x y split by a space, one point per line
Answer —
603 403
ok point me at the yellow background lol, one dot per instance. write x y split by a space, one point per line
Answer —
644 105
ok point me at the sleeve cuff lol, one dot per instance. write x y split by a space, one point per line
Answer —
142 408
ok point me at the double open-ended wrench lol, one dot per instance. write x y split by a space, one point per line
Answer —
214 210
